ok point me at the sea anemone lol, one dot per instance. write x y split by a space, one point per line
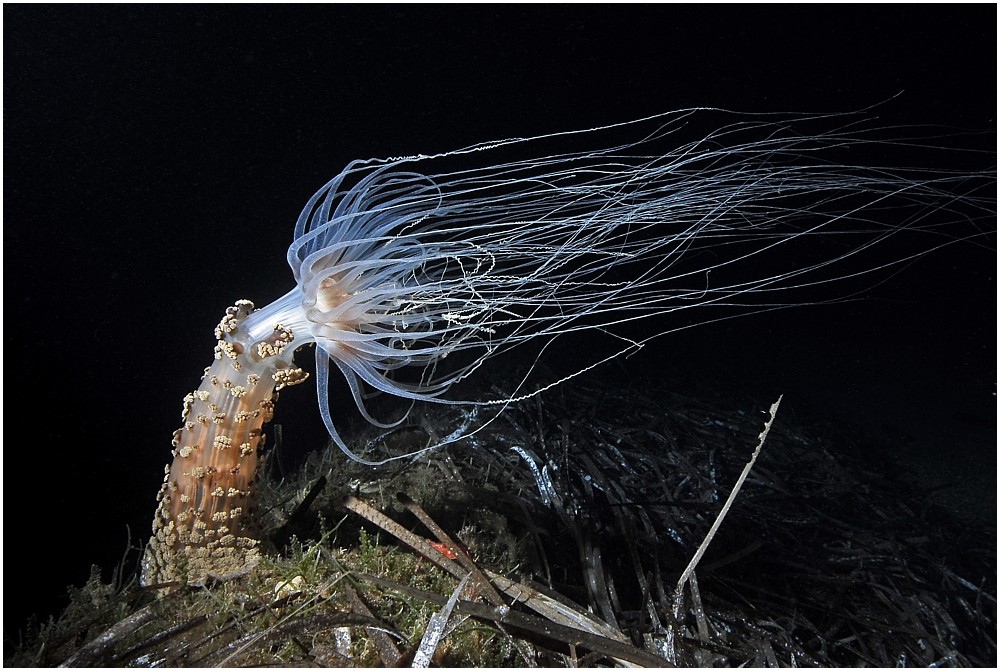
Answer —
410 272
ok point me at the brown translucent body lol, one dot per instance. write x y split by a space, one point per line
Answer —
200 528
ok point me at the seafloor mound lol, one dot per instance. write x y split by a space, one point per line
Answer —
559 533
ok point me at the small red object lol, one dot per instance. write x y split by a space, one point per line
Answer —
443 549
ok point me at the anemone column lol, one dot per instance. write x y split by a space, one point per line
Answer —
200 524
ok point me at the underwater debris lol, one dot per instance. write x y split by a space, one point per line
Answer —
821 560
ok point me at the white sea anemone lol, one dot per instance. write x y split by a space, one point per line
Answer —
402 262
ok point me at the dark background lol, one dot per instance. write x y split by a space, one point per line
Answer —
156 158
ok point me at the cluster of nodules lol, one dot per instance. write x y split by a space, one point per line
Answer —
198 528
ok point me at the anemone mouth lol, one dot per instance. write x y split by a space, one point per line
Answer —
331 294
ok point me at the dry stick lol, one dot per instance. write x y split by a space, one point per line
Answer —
421 545
93 652
552 608
387 650
435 629
481 581
535 626
686 575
